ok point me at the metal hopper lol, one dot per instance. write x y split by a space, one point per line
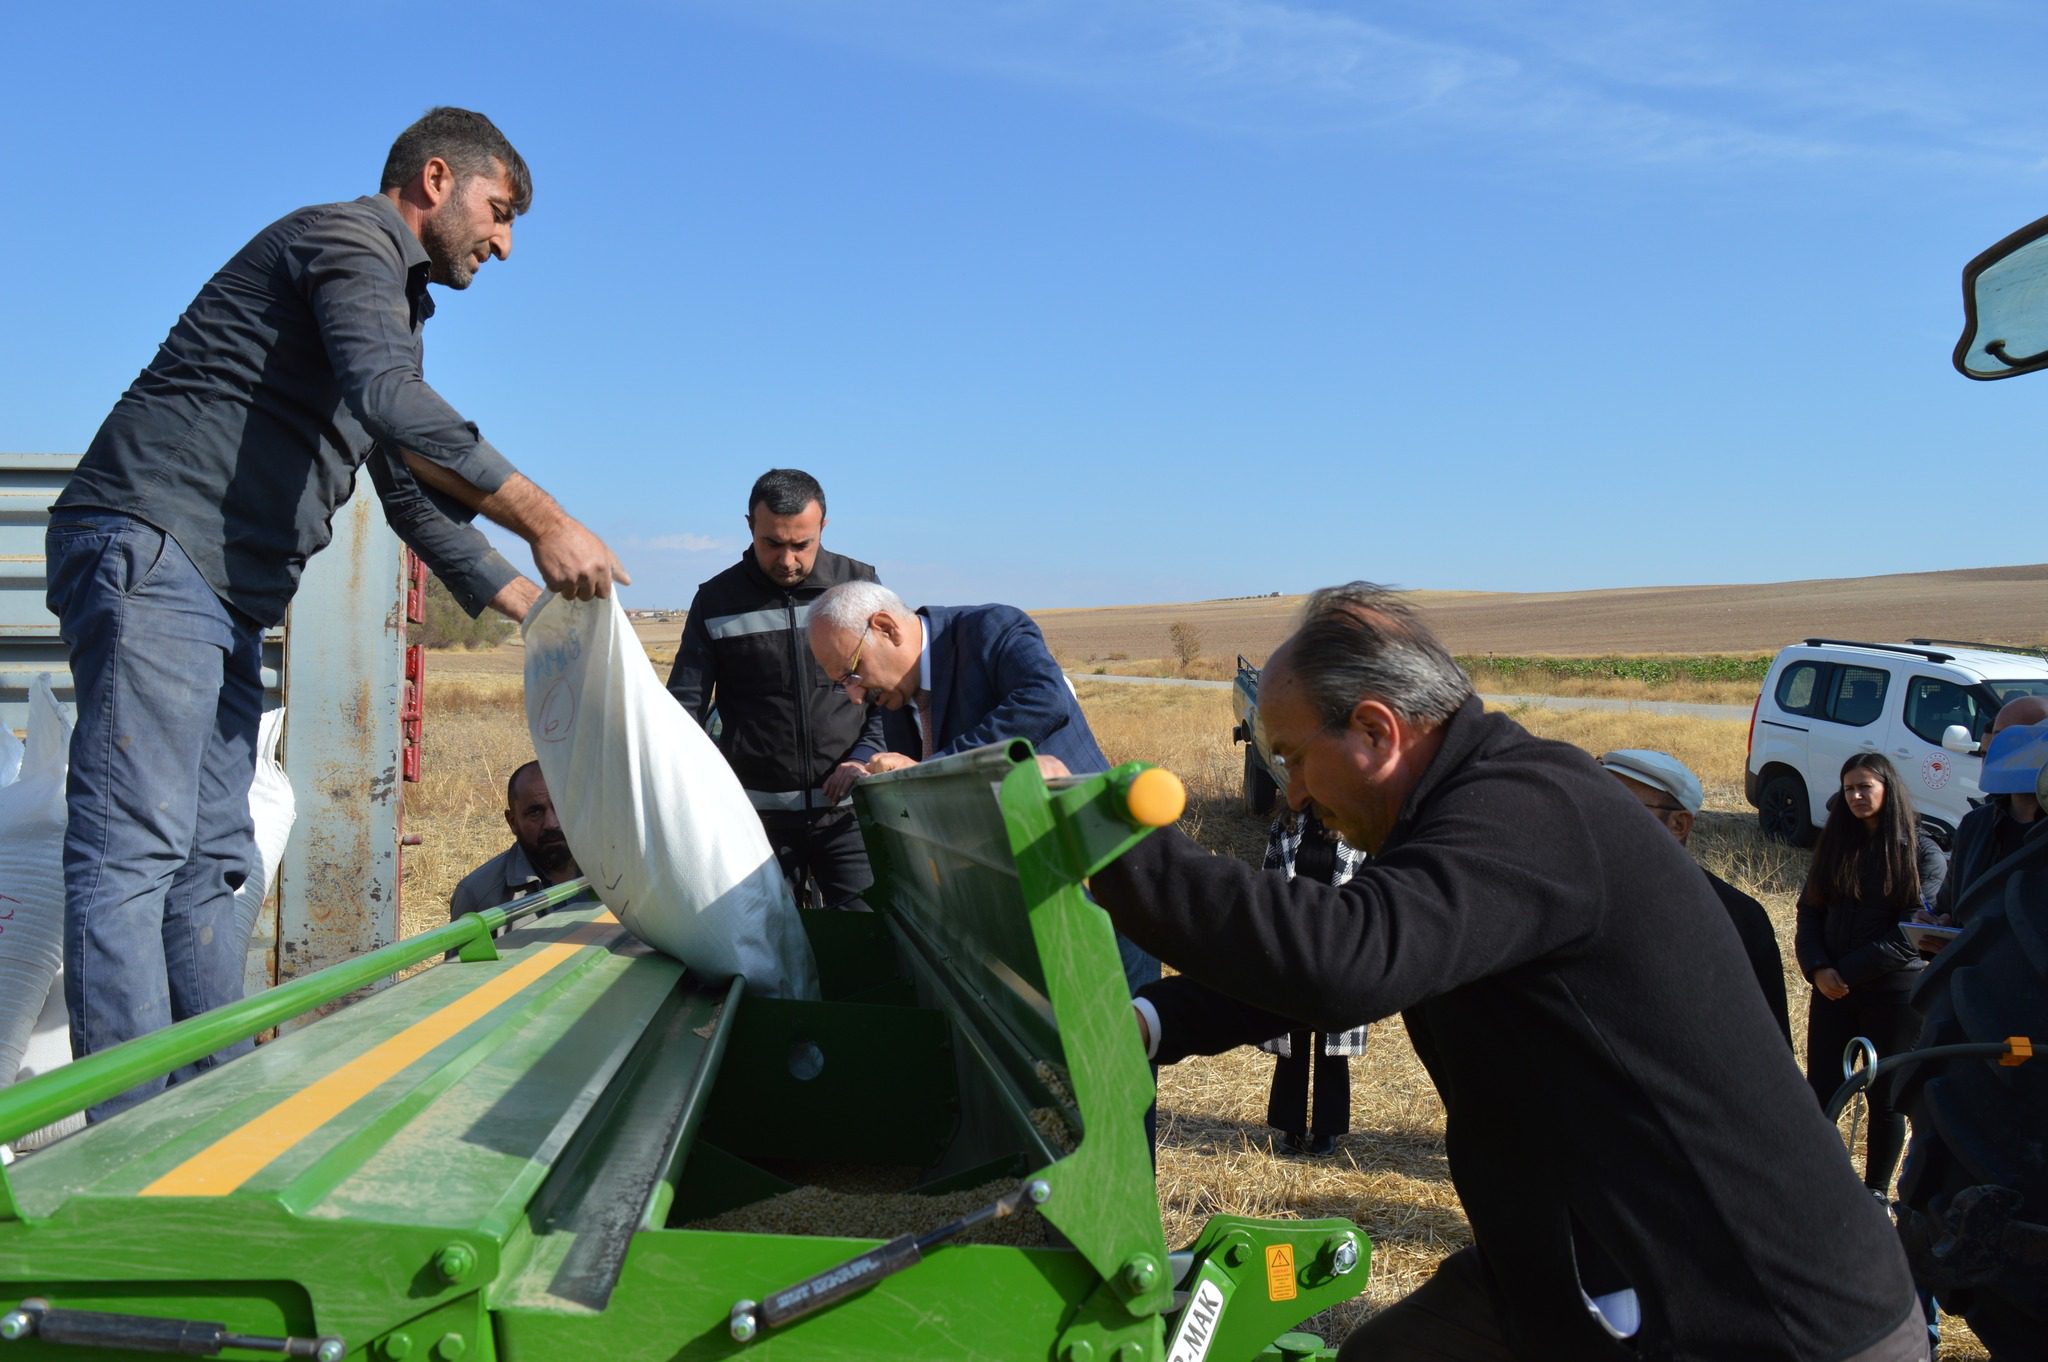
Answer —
503 1156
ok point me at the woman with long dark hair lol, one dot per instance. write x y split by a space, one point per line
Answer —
1873 867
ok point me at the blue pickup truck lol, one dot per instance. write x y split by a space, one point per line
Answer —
1262 780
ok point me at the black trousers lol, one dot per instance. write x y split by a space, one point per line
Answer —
829 851
1453 1317
1884 1016
1288 1101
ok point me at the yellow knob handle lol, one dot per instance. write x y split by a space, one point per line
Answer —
1155 797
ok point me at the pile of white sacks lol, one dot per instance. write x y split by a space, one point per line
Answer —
35 1033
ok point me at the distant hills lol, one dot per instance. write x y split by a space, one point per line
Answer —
1994 605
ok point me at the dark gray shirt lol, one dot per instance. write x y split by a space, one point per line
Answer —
296 363
506 876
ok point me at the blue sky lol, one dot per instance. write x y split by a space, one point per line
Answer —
1078 302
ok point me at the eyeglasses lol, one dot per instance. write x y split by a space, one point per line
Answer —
851 677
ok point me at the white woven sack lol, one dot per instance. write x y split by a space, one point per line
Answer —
272 811
656 818
32 873
49 1047
10 756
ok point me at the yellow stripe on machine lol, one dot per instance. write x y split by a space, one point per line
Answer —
242 1153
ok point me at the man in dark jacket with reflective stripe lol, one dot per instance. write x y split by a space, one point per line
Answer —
796 747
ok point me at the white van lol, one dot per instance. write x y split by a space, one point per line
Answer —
1925 703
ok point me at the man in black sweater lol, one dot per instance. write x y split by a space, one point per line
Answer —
1644 1171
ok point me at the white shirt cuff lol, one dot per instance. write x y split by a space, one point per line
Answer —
1151 1016
1620 1312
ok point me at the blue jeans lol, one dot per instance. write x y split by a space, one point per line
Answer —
170 686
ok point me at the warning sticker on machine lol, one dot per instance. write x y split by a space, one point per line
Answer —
1197 1327
1280 1272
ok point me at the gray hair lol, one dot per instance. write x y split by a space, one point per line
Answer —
850 605
1360 640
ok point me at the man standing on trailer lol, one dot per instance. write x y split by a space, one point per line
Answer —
182 534
795 746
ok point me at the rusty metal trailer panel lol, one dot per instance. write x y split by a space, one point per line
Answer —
342 680
344 692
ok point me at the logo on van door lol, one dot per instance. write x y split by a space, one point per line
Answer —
1935 770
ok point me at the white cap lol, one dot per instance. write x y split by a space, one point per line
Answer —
1660 770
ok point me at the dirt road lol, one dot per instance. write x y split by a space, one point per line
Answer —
1676 707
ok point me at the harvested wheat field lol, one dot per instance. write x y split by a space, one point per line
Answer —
1216 1153
2005 604
659 637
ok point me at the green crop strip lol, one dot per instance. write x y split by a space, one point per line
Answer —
1652 671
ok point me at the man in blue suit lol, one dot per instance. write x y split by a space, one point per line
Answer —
973 675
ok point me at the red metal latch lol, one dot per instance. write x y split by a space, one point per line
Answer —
412 714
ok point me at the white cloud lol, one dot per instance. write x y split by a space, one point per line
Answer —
1609 81
686 543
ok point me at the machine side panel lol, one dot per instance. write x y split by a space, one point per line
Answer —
302 1117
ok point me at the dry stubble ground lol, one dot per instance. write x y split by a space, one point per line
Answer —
1216 1153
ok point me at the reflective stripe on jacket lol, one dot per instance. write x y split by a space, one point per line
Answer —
745 653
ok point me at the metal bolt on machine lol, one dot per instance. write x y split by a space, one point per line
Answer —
502 1157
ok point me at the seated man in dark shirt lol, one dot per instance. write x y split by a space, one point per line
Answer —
1667 787
538 857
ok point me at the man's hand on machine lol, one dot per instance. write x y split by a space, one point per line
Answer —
884 762
840 783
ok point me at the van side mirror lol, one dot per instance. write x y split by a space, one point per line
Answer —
1956 738
2005 328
